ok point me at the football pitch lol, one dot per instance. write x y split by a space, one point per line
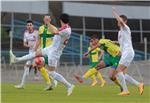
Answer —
34 93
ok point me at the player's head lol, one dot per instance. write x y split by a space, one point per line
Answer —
64 18
46 19
39 61
94 40
29 25
124 18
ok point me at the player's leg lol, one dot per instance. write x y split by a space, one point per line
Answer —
100 77
112 76
61 79
36 73
94 70
94 81
52 64
133 81
25 74
14 59
121 78
90 72
46 77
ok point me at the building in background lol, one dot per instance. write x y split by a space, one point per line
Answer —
87 18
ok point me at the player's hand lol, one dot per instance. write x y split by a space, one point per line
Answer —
113 8
86 54
84 57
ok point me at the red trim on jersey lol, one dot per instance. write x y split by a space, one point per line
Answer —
64 27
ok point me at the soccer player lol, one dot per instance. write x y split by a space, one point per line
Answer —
94 58
44 40
127 54
54 51
30 36
111 59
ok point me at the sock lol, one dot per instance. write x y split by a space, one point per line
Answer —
89 73
59 78
100 77
131 80
121 79
45 75
25 74
94 78
26 57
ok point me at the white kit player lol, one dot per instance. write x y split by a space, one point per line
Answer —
127 54
30 36
54 51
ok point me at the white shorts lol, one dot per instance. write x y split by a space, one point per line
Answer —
30 62
126 58
53 57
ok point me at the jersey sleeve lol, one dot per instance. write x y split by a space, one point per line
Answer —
41 29
25 38
98 49
65 32
89 48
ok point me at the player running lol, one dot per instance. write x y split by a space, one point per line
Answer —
94 58
110 59
30 36
127 54
54 51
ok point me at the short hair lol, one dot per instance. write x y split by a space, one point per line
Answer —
29 21
124 17
64 18
94 37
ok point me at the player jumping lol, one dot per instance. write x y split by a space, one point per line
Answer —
54 51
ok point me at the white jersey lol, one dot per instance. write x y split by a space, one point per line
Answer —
30 38
60 40
124 38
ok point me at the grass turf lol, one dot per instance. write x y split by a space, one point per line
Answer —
34 93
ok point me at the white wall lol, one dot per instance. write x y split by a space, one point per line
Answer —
101 10
36 7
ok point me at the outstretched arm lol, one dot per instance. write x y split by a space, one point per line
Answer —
53 29
117 16
91 49
101 54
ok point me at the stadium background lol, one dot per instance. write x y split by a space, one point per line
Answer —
86 19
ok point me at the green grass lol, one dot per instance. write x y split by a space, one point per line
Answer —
34 93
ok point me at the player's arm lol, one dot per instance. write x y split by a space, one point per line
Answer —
94 47
25 43
117 16
116 42
101 54
53 29
37 43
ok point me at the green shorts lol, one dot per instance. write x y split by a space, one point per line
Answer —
111 61
93 64
46 60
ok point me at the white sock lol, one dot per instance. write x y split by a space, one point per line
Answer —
26 57
131 80
121 78
59 78
25 74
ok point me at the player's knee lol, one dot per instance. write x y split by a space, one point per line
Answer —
38 53
111 78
